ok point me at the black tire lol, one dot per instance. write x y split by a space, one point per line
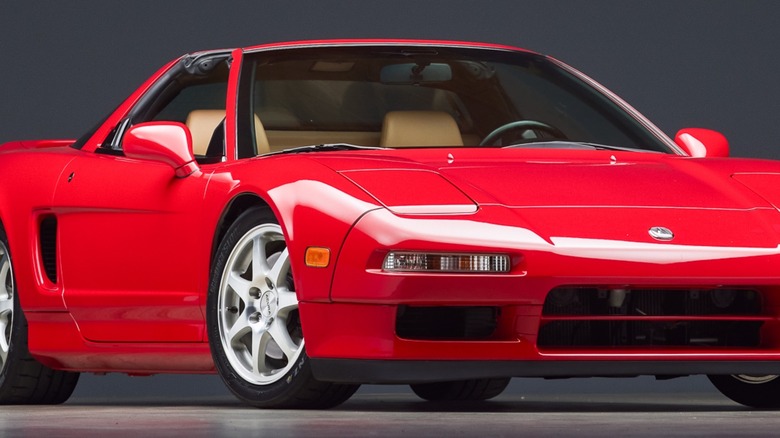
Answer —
762 392
23 380
461 390
251 321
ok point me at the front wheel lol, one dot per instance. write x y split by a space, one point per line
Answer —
254 325
757 391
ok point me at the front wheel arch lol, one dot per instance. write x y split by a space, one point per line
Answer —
253 326
230 214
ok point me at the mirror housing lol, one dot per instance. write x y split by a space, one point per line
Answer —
700 142
163 142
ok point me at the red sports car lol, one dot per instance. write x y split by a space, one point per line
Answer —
302 218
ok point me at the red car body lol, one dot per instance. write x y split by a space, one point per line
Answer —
113 254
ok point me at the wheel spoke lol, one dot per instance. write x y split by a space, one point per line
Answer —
6 306
238 331
288 301
239 286
260 340
259 259
281 336
5 320
278 272
5 267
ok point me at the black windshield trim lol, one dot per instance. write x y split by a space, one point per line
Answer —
327 147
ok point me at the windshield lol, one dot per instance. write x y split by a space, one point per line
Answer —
406 97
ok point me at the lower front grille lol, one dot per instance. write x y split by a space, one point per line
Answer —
579 317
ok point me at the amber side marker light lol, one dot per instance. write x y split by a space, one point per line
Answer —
317 257
432 262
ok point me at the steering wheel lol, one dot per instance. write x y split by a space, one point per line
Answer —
520 125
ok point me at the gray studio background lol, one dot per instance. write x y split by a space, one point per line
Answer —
682 63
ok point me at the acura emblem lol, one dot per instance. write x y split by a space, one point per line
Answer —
661 233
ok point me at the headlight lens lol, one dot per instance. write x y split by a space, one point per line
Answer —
397 261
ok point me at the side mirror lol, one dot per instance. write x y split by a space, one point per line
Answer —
164 142
700 142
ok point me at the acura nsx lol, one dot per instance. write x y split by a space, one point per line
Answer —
302 218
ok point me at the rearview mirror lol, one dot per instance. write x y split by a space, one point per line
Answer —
700 142
415 73
164 142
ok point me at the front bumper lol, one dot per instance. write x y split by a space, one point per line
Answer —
354 337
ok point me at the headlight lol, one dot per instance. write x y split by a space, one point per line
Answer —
396 261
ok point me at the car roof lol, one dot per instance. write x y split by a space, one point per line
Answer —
380 42
366 42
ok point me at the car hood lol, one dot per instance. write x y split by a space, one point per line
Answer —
578 194
540 178
594 183
622 198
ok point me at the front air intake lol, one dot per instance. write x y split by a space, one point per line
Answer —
446 323
591 317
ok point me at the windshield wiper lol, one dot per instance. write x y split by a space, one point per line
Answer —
325 148
566 144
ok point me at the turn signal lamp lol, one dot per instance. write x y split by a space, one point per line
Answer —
396 261
317 257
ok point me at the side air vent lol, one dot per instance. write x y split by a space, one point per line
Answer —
48 230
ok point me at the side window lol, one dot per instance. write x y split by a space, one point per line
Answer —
201 106
194 98
197 96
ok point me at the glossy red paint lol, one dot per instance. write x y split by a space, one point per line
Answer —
166 142
700 142
368 332
59 344
107 228
394 188
237 55
136 237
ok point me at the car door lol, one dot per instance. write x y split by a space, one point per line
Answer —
129 249
133 251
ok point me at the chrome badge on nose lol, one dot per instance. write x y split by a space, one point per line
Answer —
661 233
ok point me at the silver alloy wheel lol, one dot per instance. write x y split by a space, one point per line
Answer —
755 380
257 308
6 303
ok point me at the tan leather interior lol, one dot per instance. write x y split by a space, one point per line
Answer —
400 129
281 140
202 124
261 139
420 128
